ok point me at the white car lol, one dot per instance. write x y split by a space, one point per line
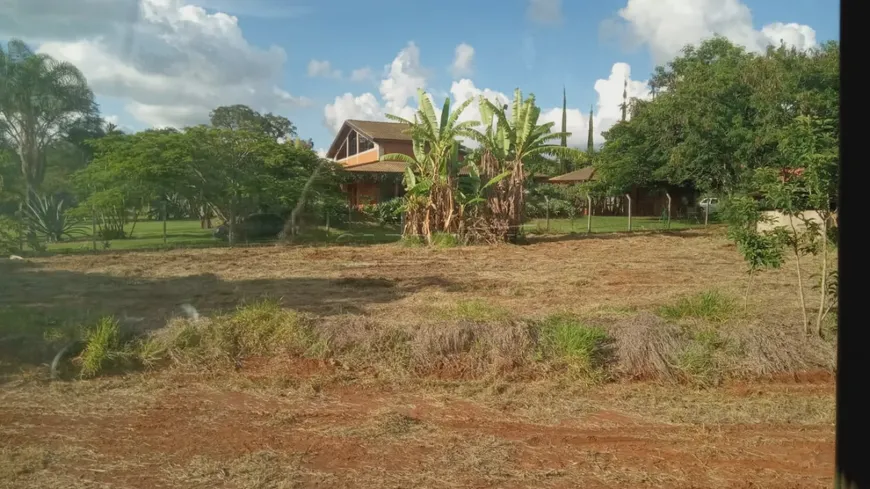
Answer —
710 204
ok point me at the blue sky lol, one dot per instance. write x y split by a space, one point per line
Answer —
165 62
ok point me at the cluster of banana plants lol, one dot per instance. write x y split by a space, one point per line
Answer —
487 199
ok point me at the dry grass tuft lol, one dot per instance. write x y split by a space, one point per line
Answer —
257 470
769 349
22 461
468 348
261 329
646 347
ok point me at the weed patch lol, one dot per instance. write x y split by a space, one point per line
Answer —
474 310
573 343
104 348
710 305
260 329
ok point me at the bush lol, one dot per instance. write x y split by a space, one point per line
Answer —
388 212
10 235
255 226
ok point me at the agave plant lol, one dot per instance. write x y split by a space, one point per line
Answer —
47 217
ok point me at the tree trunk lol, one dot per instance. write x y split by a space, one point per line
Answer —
231 233
748 287
824 289
797 256
291 224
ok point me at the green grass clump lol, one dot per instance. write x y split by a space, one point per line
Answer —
104 348
710 305
445 240
700 360
259 329
566 339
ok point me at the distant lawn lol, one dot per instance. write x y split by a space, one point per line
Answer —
188 234
147 235
604 224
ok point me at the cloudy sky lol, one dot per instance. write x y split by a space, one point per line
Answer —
168 62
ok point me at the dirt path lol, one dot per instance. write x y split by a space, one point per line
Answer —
147 432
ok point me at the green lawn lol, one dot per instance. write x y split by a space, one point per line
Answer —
188 234
604 224
147 235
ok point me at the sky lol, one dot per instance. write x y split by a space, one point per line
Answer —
157 63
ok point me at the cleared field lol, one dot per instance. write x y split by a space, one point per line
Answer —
368 419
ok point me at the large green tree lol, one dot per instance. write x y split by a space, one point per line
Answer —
40 100
236 117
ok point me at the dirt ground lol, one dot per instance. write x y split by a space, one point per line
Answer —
311 424
395 283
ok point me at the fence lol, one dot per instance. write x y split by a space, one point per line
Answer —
615 214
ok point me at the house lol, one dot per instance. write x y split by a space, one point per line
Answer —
359 146
645 201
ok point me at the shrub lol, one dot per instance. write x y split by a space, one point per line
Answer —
709 305
10 235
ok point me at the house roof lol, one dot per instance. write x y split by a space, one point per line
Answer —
576 176
387 167
379 167
392 131
374 130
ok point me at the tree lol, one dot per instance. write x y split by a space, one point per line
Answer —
41 100
510 143
431 179
242 117
590 144
566 163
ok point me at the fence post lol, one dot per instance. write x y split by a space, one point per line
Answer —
706 213
164 221
547 200
588 213
628 196
94 228
668 195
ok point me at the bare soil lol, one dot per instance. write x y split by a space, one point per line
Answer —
307 423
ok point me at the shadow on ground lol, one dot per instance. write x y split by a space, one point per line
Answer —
35 301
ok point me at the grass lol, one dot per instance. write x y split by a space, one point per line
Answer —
573 342
710 305
605 224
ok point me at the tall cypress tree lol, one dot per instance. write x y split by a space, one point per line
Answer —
624 105
566 165
590 148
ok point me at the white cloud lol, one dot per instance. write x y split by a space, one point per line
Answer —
463 61
362 74
607 110
666 26
545 12
404 75
173 62
322 69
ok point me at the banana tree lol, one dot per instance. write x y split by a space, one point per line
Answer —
434 167
508 144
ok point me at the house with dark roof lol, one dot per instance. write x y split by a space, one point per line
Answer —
358 147
646 201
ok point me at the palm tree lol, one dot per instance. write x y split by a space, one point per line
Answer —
431 178
508 146
40 99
